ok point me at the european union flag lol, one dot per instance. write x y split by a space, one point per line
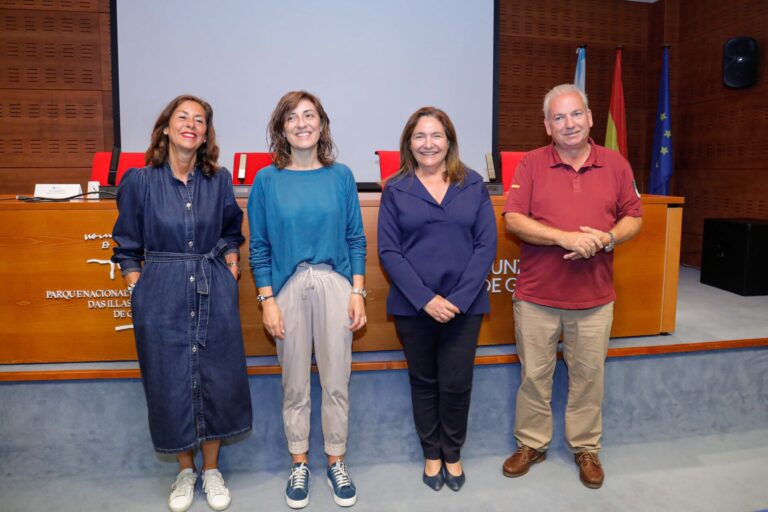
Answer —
662 164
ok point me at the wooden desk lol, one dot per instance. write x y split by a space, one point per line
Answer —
60 301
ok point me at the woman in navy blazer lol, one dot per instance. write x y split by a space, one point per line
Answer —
437 241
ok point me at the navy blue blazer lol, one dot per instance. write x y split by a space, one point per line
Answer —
430 249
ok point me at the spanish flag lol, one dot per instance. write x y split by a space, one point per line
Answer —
616 131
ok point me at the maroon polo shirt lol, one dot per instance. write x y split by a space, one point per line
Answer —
550 191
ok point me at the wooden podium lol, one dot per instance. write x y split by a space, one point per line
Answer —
61 300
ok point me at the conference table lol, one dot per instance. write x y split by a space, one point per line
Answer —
62 300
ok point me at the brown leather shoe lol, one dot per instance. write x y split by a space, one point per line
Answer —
590 469
521 461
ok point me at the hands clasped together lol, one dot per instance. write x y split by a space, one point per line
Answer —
441 309
585 243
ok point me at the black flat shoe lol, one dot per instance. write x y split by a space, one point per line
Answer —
434 482
454 483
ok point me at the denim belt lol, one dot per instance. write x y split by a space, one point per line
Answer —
202 277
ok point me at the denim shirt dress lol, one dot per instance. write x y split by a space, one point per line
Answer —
185 305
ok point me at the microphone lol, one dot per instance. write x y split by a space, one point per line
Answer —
490 167
113 164
241 168
494 187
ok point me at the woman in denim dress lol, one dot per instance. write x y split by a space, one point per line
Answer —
178 235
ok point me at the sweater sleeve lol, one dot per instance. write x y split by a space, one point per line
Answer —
354 234
260 248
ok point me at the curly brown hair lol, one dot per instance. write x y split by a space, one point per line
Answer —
207 154
454 168
278 143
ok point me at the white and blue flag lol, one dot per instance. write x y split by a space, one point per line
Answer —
580 78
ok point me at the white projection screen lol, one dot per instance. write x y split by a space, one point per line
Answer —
371 62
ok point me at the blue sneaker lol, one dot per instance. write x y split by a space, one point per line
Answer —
297 490
344 491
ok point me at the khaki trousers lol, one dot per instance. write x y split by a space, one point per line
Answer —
585 345
314 304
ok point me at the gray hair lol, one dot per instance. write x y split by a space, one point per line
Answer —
563 89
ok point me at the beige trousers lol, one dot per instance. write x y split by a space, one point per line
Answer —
314 304
585 345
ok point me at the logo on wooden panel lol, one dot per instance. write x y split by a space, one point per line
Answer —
503 276
116 300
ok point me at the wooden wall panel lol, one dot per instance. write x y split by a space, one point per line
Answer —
22 181
730 133
106 52
55 78
50 50
56 5
41 129
600 21
721 134
106 77
537 46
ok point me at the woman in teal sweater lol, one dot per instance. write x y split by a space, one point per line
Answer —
308 259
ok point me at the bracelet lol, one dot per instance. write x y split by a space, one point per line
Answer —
130 288
262 298
360 291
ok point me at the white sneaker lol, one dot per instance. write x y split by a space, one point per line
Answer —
182 491
216 490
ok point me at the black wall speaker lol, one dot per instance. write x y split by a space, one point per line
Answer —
735 255
740 62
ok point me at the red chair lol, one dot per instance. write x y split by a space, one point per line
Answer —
389 163
254 162
102 159
509 163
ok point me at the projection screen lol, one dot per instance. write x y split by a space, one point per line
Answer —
372 63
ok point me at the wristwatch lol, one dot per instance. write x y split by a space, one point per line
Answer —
262 298
360 291
611 244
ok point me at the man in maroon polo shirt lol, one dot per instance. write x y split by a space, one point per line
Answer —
570 203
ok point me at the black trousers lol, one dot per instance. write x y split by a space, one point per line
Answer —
441 359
